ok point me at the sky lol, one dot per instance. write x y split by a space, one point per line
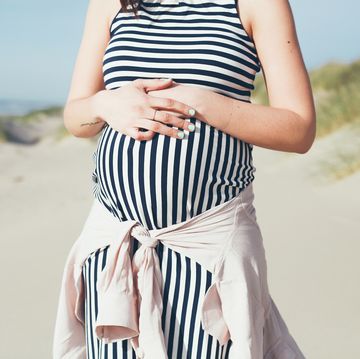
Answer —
40 40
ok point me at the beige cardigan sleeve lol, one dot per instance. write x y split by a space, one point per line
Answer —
69 331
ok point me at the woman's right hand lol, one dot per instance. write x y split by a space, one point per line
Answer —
129 108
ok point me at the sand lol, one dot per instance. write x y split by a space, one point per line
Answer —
310 230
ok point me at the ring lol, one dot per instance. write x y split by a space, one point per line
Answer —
154 114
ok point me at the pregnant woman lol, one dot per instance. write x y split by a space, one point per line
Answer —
166 84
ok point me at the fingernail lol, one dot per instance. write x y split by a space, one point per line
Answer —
191 127
180 134
166 79
192 112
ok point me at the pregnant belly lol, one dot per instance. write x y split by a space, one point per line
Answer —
166 180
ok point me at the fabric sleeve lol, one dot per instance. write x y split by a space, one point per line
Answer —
244 316
69 331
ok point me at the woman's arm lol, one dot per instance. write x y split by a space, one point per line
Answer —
89 105
80 111
289 123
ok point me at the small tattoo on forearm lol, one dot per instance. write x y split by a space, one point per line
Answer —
90 123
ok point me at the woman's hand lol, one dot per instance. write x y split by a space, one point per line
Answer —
189 94
130 107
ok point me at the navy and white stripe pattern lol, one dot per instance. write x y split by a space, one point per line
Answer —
185 283
167 180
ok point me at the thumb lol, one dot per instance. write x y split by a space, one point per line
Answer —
156 84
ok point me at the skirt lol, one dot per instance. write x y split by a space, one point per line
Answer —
185 283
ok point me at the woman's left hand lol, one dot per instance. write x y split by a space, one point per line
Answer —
188 94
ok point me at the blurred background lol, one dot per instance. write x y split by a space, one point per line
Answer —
308 205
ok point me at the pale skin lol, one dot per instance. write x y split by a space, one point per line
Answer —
287 124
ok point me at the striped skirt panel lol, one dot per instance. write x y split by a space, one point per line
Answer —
185 283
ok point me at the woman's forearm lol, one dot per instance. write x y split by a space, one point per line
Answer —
81 116
264 126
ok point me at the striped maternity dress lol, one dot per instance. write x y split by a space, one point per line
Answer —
167 180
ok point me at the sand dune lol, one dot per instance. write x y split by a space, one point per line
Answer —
310 229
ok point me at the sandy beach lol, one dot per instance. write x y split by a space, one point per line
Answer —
310 229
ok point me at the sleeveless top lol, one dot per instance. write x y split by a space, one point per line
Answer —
165 180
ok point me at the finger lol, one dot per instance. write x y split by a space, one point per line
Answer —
160 128
138 135
163 103
153 84
174 120
168 118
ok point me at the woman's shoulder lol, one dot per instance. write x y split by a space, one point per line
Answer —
256 10
114 6
106 9
244 8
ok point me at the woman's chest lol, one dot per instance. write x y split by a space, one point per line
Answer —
200 43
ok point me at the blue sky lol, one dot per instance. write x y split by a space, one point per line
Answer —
40 40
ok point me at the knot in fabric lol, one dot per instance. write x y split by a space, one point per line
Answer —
142 234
